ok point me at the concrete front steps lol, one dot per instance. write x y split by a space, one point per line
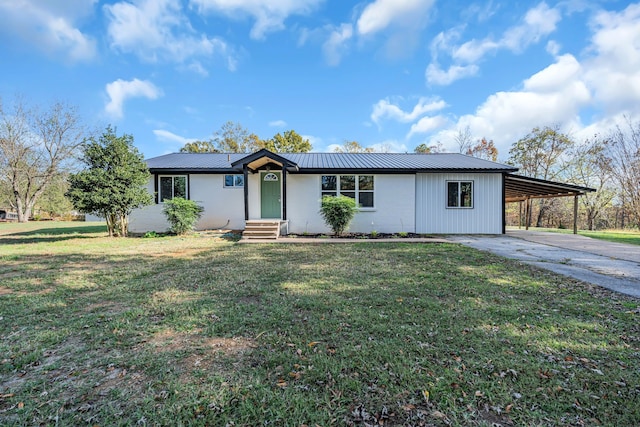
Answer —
261 229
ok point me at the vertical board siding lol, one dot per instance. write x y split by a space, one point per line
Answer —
433 216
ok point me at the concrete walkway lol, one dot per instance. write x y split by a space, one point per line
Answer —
615 266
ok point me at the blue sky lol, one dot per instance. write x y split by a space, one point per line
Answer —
390 74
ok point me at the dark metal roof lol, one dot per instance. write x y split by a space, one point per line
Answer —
322 162
518 188
214 162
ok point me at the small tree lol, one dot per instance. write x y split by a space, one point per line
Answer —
199 147
338 212
484 150
352 147
234 138
112 185
182 214
290 142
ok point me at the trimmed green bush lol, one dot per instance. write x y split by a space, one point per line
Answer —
182 214
338 212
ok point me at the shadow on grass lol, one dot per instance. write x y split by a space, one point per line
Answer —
52 234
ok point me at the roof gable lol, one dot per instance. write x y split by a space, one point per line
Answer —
263 157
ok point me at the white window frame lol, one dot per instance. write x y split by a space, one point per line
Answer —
356 191
235 180
173 177
459 195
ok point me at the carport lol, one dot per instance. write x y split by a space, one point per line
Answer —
521 189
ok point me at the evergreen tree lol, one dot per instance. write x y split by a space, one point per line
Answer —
113 183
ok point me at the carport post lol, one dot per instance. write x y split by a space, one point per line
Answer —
575 213
520 215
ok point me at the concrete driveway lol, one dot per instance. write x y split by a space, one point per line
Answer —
615 266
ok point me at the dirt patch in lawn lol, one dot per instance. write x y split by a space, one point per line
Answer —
170 340
204 353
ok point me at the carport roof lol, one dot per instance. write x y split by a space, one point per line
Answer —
518 188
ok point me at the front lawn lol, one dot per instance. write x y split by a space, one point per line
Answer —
203 331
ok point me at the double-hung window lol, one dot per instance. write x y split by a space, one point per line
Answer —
460 194
234 181
358 187
173 186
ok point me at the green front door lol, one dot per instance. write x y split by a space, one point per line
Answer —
270 194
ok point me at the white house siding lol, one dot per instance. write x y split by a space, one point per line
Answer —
394 210
255 208
223 207
433 216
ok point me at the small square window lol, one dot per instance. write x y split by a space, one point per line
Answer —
234 180
173 186
460 194
365 182
329 183
348 183
366 199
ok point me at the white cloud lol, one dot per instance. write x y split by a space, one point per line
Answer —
335 46
427 125
556 76
158 30
278 124
436 75
537 23
553 47
381 14
197 68
166 136
121 90
385 109
50 26
555 95
613 70
269 15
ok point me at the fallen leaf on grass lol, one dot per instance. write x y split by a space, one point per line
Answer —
425 394
438 414
544 374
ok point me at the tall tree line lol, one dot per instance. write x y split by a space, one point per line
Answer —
607 162
235 138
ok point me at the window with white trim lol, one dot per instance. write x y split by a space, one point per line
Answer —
172 186
234 181
358 187
460 194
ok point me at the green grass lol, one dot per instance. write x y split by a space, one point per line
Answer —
631 237
202 331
